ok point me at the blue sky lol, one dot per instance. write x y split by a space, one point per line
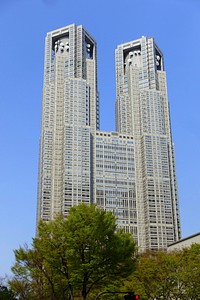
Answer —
175 24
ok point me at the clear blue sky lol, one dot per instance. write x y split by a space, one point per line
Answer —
175 24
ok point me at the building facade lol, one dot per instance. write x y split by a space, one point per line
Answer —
131 171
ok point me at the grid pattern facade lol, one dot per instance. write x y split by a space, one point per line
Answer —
130 172
70 114
142 110
115 178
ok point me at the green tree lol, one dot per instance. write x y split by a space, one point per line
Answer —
73 257
6 294
172 276
189 272
152 278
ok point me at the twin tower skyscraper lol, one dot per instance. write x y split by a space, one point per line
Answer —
130 172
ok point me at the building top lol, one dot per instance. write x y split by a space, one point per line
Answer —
113 134
65 29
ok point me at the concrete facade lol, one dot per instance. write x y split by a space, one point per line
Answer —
185 243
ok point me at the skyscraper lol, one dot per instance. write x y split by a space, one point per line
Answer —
131 171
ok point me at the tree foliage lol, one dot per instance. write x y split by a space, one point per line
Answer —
168 276
73 257
6 294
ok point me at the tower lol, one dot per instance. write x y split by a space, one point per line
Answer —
142 110
70 114
130 172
